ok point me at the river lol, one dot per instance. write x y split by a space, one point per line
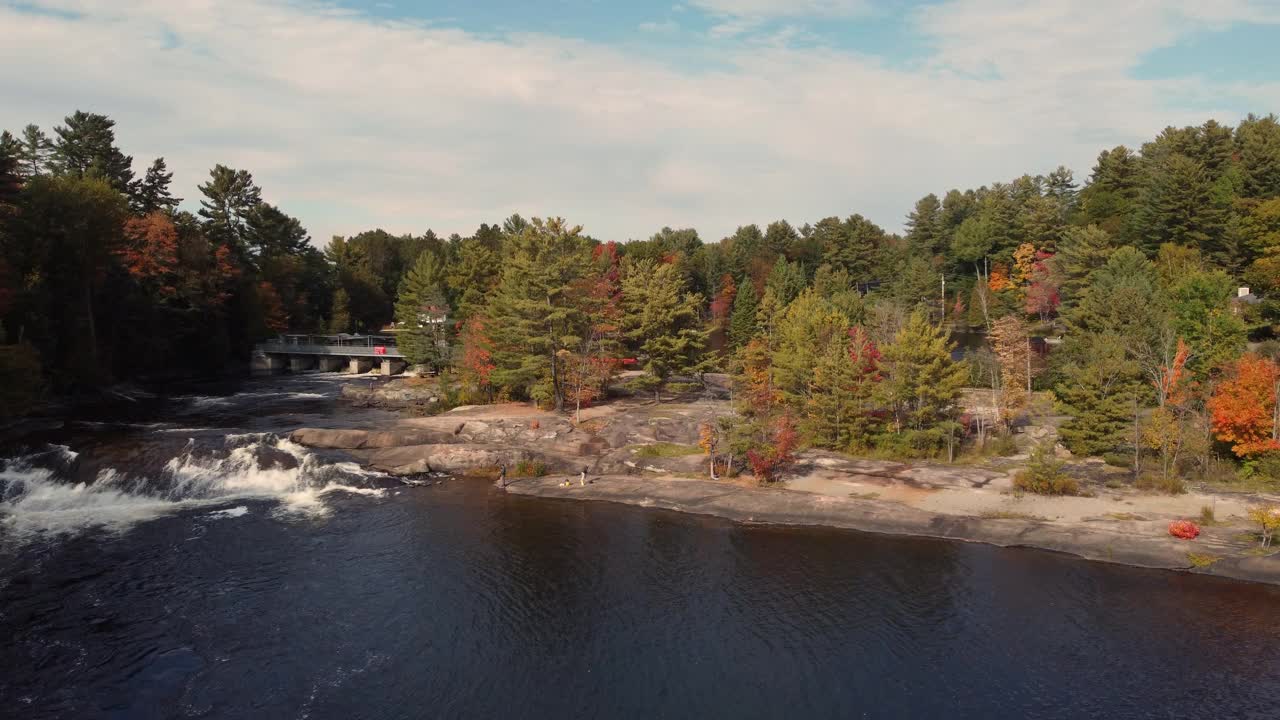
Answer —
182 559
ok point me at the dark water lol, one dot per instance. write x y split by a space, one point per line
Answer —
249 578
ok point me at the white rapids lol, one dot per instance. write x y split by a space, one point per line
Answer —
36 499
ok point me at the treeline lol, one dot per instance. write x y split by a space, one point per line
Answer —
103 278
837 330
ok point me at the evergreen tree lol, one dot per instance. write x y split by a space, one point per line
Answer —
423 313
270 232
1258 144
853 247
35 152
923 232
786 280
780 238
1060 186
921 381
1112 190
11 149
742 321
533 315
472 275
1081 251
1099 389
1203 317
152 193
839 411
805 330
86 144
1177 206
660 322
229 197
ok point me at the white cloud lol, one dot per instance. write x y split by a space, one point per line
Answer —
782 8
352 123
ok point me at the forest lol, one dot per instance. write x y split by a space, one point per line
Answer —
1119 300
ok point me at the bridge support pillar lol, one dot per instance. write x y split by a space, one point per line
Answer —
301 363
359 366
329 363
261 363
393 367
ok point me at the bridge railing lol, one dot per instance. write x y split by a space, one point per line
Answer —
334 340
349 345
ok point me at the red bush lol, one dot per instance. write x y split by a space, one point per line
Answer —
1184 529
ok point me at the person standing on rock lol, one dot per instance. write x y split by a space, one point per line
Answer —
582 479
502 475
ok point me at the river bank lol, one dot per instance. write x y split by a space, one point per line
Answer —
1134 541
645 454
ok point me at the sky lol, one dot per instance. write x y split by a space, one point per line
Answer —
627 116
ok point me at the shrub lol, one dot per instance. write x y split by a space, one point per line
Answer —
1184 529
1003 445
683 388
1043 474
1119 460
667 450
1268 520
530 468
1158 483
1208 516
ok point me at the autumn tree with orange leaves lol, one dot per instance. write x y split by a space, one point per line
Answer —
1243 406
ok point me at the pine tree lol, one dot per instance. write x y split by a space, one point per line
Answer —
1100 390
742 321
805 331
472 275
787 280
152 193
1177 206
923 231
838 412
853 247
422 313
86 144
1258 144
35 152
229 197
921 381
660 321
532 313
1081 251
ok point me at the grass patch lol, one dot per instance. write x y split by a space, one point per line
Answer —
1208 515
1125 516
1157 483
1201 560
666 450
864 495
529 468
1010 515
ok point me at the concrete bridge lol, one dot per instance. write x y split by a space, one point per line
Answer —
328 353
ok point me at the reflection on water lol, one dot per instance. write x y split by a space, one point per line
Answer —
457 601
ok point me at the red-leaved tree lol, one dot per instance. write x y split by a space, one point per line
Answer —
1243 406
769 459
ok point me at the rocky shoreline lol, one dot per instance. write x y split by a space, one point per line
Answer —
1126 544
645 454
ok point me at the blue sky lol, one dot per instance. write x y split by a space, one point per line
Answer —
628 116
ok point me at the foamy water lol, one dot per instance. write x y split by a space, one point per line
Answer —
37 496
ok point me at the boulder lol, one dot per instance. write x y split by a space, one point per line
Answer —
447 458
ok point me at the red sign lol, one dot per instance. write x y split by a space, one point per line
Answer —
379 350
